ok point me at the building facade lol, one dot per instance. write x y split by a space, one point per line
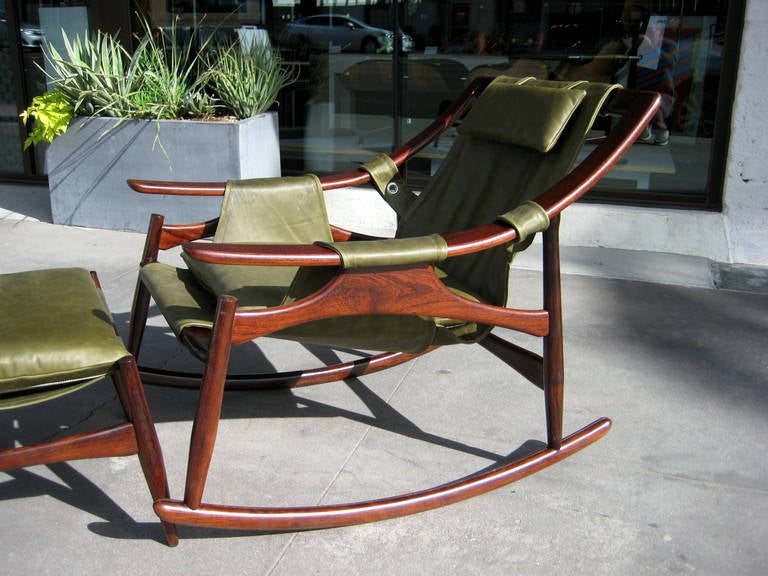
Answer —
372 73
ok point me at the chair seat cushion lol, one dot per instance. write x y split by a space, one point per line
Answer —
56 329
182 299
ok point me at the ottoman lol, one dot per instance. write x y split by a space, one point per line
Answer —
57 337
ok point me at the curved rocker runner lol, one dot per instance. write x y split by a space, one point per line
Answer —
231 517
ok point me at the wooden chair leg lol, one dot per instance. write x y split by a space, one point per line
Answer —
141 297
554 373
130 389
528 364
138 321
206 422
117 440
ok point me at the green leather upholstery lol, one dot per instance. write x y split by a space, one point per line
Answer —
387 179
57 335
482 178
178 293
287 210
527 219
423 249
528 116
502 158
382 169
271 210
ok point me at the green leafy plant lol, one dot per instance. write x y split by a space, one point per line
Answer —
247 80
166 77
52 113
170 82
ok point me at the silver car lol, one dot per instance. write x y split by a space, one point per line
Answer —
328 31
30 34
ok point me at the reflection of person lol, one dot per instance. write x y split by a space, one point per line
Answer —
477 43
481 43
611 64
655 72
608 65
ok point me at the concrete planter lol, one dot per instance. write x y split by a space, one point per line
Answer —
89 164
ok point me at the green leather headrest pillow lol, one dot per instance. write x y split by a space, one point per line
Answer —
529 116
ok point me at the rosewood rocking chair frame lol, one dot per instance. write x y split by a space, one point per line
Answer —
354 292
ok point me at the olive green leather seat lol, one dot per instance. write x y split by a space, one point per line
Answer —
57 337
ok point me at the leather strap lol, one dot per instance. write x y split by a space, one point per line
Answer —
420 250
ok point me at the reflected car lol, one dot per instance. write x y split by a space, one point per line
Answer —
349 34
31 35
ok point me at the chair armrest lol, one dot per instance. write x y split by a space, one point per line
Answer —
638 111
390 252
457 243
363 253
176 188
172 235
262 254
352 178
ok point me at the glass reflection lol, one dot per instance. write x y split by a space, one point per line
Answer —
11 158
372 73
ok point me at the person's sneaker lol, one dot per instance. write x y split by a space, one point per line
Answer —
661 137
646 137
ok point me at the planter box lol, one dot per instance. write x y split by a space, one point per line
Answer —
89 164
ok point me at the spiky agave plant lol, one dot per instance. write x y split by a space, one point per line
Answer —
247 80
93 75
160 80
170 81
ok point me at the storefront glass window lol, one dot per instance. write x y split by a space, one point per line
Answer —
20 42
672 47
10 152
24 30
357 101
372 73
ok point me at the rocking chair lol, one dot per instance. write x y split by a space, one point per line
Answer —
277 268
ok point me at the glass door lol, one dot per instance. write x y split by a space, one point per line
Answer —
342 109
25 26
20 43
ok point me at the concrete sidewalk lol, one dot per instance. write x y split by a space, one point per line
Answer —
680 485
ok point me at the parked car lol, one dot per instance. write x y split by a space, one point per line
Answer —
349 34
31 35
